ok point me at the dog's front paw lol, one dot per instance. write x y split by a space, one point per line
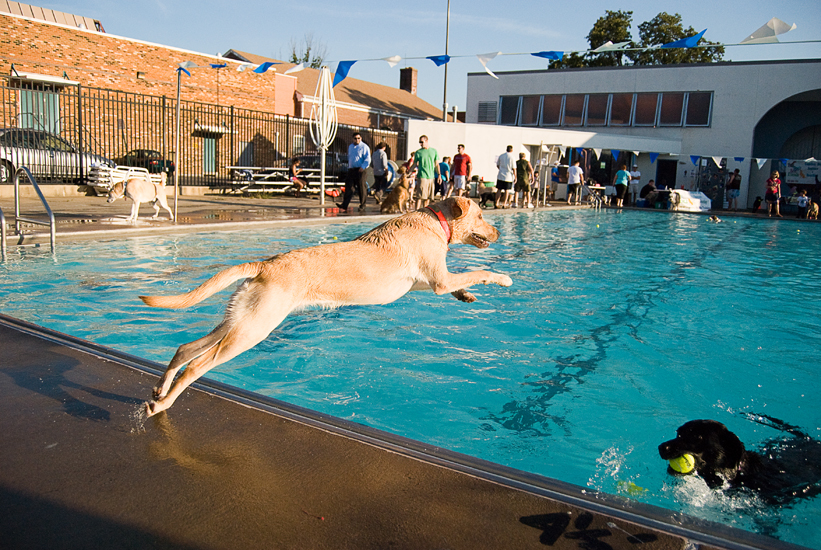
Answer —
464 296
503 280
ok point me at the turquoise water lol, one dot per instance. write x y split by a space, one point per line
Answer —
618 328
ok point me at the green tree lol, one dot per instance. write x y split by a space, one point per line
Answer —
614 26
313 55
665 28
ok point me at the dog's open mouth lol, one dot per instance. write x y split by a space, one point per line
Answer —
479 241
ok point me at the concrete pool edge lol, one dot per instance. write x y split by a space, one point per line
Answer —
651 517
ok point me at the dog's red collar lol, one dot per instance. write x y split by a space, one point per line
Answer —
444 223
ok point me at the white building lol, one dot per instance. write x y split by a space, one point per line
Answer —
737 113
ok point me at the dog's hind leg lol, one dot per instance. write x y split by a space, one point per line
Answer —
156 210
185 354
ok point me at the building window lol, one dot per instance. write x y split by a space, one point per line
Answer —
551 110
646 106
573 109
487 111
699 105
597 109
672 107
621 105
509 107
530 110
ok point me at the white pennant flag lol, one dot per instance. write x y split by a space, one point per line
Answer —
609 46
636 154
484 58
188 65
295 69
244 66
811 159
598 153
393 61
760 162
768 34
718 160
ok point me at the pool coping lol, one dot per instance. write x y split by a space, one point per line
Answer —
693 530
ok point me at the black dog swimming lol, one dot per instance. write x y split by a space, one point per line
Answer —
782 471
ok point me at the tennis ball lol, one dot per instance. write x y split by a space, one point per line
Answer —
683 464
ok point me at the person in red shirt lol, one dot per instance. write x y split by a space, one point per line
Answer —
461 172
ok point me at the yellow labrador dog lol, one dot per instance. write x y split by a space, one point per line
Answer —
406 253
140 189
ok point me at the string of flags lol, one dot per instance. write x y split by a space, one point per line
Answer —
766 34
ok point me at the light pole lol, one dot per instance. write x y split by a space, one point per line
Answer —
445 99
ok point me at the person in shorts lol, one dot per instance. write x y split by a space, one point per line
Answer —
506 164
575 177
293 177
733 189
426 159
635 184
461 169
773 195
524 179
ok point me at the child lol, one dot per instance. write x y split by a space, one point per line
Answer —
803 205
293 172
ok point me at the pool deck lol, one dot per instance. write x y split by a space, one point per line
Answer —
227 469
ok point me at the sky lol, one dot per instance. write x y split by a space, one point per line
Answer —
375 30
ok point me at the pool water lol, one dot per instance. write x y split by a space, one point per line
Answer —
619 327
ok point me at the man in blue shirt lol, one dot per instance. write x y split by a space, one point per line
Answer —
359 159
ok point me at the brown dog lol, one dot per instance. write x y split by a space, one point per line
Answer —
403 254
397 201
140 189
812 212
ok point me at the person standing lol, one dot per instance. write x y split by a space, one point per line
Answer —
380 171
773 194
575 176
524 177
426 160
444 176
620 181
733 190
803 202
359 159
462 167
506 164
635 184
555 179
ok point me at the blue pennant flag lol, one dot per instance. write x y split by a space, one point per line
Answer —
579 151
738 159
615 153
439 59
218 66
694 159
688 42
183 69
265 66
342 70
555 56
653 157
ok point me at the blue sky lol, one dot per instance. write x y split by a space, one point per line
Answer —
366 30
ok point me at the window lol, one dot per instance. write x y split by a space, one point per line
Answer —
621 105
530 110
551 110
698 108
573 109
487 111
298 145
597 109
509 108
672 106
646 105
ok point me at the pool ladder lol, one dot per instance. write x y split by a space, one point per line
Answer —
18 218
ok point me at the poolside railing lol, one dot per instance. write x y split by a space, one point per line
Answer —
18 218
2 236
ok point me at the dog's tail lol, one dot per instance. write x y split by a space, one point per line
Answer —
163 178
206 289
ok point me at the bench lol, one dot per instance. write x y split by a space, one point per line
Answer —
254 179
102 178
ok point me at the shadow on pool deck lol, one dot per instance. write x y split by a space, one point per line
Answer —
225 469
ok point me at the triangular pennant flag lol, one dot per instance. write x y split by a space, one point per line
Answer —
342 70
653 157
265 66
188 65
718 160
598 153
393 60
609 47
760 162
484 58
555 56
768 34
615 154
738 159
244 66
694 159
784 161
439 60
183 69
218 65
811 159
688 42
295 68
635 154
579 151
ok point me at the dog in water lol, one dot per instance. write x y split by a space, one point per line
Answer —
397 201
141 189
403 254
785 469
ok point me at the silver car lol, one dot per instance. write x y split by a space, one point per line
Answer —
48 156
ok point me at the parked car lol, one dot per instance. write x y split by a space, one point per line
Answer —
48 156
149 159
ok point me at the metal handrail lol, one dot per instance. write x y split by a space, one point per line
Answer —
597 199
51 223
2 236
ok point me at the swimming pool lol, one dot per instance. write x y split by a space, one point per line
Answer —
618 328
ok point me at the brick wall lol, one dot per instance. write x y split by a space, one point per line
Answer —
100 60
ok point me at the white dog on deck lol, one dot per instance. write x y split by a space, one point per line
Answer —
141 189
